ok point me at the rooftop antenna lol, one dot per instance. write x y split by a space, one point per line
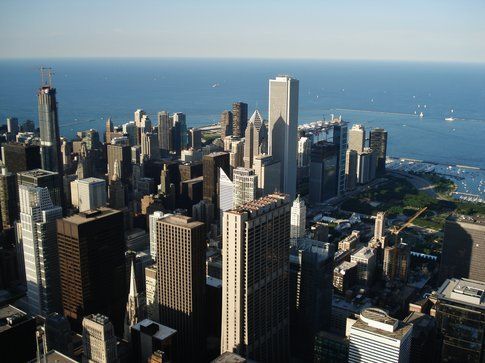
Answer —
46 76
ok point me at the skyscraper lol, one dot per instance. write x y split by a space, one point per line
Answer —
340 136
378 144
37 217
8 198
267 170
380 225
323 171
298 218
376 337
164 133
149 146
245 186
240 118
226 192
210 166
179 132
256 139
226 122
283 129
152 231
357 138
153 307
49 128
12 125
463 248
99 340
20 157
123 155
44 179
181 283
351 169
460 313
92 264
255 278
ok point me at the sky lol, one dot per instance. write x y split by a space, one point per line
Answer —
412 30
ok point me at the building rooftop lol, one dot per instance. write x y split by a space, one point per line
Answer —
377 321
98 318
91 180
229 357
212 281
10 316
158 331
364 253
322 250
216 154
355 306
344 266
465 291
261 205
37 173
180 220
53 356
90 215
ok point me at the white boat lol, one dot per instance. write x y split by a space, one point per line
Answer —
421 114
450 119
215 85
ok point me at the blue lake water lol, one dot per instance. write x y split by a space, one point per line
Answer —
385 94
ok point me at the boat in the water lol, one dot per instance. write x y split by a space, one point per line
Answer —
450 119
421 114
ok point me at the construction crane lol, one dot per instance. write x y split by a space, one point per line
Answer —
396 229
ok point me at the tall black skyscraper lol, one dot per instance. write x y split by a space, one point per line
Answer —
50 144
240 118
378 144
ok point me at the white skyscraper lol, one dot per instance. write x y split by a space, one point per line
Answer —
99 340
245 186
152 231
266 168
38 222
304 148
377 337
149 146
380 225
255 293
88 193
283 128
357 138
226 192
298 218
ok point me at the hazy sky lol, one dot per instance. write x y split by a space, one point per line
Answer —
439 30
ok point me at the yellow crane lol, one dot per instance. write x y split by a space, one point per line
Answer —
396 229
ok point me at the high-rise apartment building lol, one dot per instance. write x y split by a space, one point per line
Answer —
236 154
245 186
195 138
366 166
344 276
210 166
89 193
356 139
266 168
239 118
99 340
378 144
380 225
298 218
179 132
255 277
365 258
149 146
92 264
283 129
226 122
181 281
340 139
38 223
463 248
460 316
377 337
396 262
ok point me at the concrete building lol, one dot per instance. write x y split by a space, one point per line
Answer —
245 186
344 276
350 242
236 154
463 248
147 337
152 231
8 198
380 226
164 133
17 335
122 155
266 168
181 283
239 118
396 262
98 283
89 193
365 258
378 143
210 165
38 224
311 267
246 245
18 157
376 337
58 334
226 122
356 140
149 146
366 166
298 218
99 340
460 313
283 129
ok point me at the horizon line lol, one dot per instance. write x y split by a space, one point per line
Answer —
231 58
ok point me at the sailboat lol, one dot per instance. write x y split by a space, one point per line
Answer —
421 114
